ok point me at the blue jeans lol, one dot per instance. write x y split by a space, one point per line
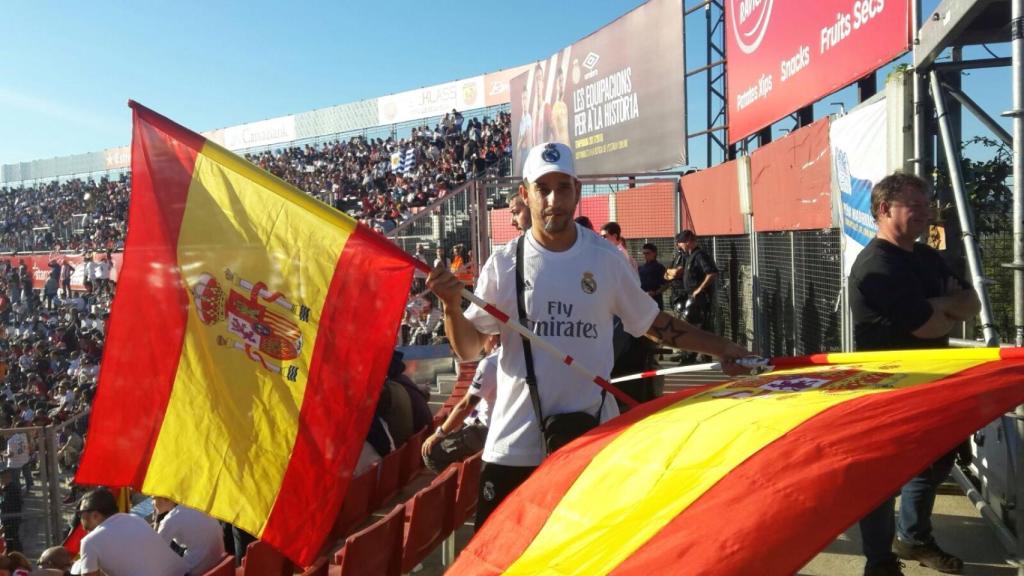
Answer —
917 497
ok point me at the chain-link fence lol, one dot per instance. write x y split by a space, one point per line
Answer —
786 301
47 498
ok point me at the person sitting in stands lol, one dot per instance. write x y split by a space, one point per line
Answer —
198 534
463 432
118 544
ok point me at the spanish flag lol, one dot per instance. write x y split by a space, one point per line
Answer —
755 476
248 342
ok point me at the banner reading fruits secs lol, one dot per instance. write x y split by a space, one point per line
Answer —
785 55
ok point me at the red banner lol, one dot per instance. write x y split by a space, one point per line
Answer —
785 55
39 266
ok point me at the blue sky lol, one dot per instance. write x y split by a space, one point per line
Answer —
68 68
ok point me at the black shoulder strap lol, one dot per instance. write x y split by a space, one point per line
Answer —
531 377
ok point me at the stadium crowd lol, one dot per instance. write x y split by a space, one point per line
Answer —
51 338
378 181
381 181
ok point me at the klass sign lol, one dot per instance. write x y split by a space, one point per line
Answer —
783 55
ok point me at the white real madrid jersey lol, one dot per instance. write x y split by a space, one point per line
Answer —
571 297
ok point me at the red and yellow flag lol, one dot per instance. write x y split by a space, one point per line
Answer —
249 339
755 476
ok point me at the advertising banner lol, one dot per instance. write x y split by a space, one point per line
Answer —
785 55
858 155
39 266
434 100
615 97
262 133
496 84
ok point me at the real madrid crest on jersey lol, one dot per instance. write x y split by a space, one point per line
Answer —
550 154
588 284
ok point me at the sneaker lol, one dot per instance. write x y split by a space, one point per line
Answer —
929 555
893 569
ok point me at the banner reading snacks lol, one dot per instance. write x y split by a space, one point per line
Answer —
784 55
249 339
616 97
755 476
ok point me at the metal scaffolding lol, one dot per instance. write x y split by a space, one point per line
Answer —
954 24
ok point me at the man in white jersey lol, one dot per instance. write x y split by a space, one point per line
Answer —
119 544
575 282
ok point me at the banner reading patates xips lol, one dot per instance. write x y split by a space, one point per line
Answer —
615 97
783 55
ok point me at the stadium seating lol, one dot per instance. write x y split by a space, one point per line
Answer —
377 549
358 500
226 567
355 175
468 488
262 559
427 519
387 482
318 568
413 458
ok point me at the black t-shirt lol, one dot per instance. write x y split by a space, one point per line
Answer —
889 288
652 275
696 266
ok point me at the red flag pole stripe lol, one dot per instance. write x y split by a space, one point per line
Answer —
498 544
151 294
369 264
823 474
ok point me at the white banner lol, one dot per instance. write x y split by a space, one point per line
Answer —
262 133
434 100
858 143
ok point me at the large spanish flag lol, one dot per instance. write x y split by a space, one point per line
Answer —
755 476
248 342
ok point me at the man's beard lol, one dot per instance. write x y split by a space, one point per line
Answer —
554 224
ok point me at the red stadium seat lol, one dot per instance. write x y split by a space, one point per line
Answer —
262 559
468 488
428 519
413 461
226 567
375 550
319 568
356 506
387 482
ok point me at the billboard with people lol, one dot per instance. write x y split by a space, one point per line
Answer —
615 97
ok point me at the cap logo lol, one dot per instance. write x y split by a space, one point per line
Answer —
550 154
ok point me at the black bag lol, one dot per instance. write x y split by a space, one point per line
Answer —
557 429
560 429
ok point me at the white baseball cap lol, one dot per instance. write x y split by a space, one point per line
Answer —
548 157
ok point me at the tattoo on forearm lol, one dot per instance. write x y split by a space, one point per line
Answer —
667 330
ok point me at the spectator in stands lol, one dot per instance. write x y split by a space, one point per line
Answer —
65 279
199 535
652 274
119 544
612 232
585 222
11 508
463 432
425 324
54 561
440 259
17 453
519 212
564 267
693 273
903 296
17 564
462 265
